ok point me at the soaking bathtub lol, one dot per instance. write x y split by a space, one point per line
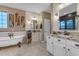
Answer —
7 41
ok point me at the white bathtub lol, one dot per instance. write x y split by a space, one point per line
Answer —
6 41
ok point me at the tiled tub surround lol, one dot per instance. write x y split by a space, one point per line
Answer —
5 40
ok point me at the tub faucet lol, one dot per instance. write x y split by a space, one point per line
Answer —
10 35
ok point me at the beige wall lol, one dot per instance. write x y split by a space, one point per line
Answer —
29 16
12 11
54 17
78 17
45 15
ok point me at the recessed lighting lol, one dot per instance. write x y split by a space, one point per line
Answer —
69 15
65 13
60 6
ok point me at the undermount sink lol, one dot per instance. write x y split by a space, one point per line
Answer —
66 37
72 39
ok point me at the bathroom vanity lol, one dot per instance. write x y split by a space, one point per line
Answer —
62 45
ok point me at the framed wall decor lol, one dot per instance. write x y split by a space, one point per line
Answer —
23 21
11 19
18 20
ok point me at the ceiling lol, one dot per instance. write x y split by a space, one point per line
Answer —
68 9
63 5
32 7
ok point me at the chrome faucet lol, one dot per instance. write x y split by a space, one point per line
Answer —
10 35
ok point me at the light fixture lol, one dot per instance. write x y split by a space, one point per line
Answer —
29 22
60 6
65 13
69 15
34 18
56 14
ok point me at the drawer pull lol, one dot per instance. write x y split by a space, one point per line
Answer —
49 37
68 49
59 40
51 42
77 45
64 47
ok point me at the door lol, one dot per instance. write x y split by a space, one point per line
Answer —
46 28
72 51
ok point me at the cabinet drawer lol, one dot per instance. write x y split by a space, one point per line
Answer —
59 40
73 44
72 51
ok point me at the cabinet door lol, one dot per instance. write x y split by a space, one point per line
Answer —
59 49
50 45
72 51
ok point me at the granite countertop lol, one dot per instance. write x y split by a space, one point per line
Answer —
70 38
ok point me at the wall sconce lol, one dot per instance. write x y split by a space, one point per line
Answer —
56 14
29 22
34 18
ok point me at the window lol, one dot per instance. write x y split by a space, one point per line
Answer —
3 20
70 24
67 24
62 24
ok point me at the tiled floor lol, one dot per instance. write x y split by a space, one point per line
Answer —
36 48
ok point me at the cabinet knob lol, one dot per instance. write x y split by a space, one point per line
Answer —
59 40
77 45
68 49
51 42
49 37
64 47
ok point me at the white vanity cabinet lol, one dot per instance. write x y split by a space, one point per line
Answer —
72 50
55 47
50 46
60 47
